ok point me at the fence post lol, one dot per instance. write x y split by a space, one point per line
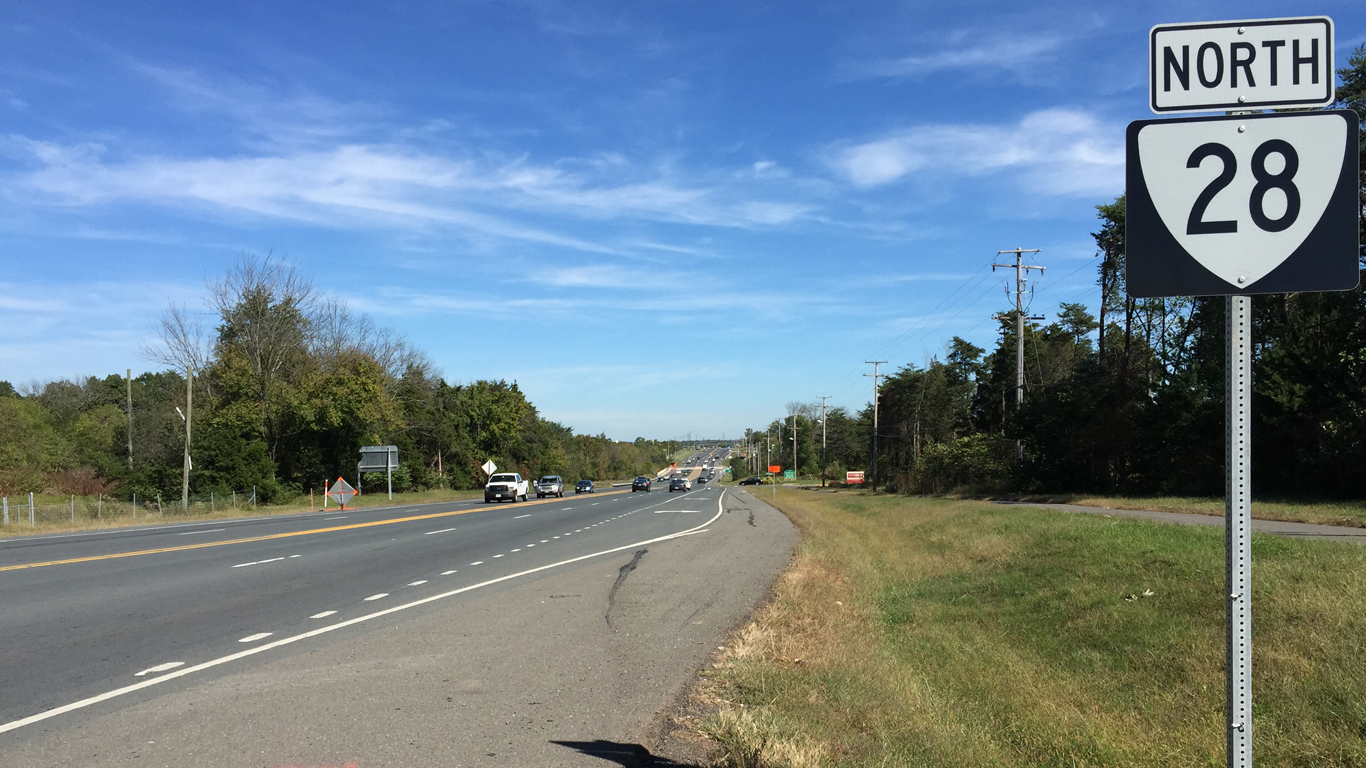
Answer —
73 507
158 505
211 505
99 508
6 503
234 498
30 508
253 496
135 506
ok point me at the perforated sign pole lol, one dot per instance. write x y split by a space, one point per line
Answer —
1238 526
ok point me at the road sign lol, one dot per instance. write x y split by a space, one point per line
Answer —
853 478
489 467
1242 204
789 474
775 468
378 458
342 492
1241 65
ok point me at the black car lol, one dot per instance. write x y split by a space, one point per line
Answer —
678 484
751 481
640 484
584 486
702 480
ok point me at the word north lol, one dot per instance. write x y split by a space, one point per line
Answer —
1239 65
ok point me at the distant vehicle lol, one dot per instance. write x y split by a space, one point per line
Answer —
641 483
584 486
678 484
550 485
702 481
506 486
752 481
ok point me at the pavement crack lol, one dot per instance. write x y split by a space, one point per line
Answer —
621 577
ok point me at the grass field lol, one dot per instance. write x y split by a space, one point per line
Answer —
935 632
1348 513
54 517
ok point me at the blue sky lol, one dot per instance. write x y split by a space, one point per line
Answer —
658 217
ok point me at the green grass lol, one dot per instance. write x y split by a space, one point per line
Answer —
1346 513
54 511
956 633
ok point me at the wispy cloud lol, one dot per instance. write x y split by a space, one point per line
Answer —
361 185
998 52
1066 152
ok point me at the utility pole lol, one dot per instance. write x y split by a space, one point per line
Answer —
189 413
1021 270
794 446
823 399
130 420
874 375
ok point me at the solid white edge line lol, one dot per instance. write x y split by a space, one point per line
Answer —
192 533
83 703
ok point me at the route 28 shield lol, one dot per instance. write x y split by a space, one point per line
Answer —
1242 204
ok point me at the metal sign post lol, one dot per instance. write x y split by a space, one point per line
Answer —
1238 205
1238 525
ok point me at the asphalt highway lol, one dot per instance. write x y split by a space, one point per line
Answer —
102 620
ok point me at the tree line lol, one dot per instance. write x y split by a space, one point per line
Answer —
1127 400
281 394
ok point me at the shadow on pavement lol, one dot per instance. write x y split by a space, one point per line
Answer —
625 755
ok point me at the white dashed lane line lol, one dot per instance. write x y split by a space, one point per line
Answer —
443 530
477 562
515 550
447 573
376 597
418 583
519 517
322 615
160 668
497 556
255 637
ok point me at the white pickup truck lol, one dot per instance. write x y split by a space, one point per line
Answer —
506 485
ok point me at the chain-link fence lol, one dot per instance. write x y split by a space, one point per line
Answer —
34 511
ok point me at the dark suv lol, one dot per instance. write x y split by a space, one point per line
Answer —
584 486
640 484
678 484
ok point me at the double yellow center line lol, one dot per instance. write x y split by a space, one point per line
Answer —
310 532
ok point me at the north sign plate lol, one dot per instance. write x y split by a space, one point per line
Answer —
1249 64
1242 204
